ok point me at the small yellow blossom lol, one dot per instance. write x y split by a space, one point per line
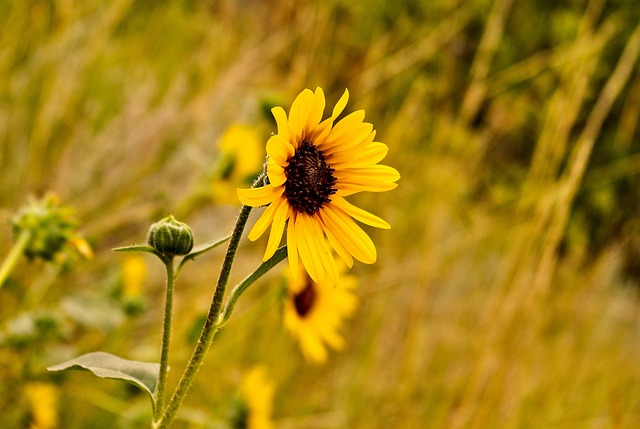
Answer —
314 312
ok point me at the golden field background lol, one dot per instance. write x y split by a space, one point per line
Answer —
504 296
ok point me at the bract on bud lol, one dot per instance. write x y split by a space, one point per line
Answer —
170 237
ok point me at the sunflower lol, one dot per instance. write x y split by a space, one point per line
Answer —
253 408
313 165
314 312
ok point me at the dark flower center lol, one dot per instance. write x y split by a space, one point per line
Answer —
310 180
305 299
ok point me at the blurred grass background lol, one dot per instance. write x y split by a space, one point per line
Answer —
506 292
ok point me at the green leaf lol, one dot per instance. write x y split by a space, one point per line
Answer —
138 248
200 249
105 365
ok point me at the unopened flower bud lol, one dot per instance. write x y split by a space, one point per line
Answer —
170 237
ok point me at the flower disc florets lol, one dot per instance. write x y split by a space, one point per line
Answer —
310 180
303 301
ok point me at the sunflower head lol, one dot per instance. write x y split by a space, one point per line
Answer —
315 312
313 164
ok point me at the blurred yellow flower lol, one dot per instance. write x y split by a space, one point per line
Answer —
43 403
134 273
314 312
240 161
256 401
312 166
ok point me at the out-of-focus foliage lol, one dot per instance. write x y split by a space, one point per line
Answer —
505 294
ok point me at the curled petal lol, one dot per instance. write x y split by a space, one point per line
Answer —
276 173
279 149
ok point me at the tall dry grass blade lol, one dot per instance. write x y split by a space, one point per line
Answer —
419 52
579 158
477 91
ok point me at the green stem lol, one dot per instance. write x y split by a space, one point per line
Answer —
166 340
278 256
210 326
12 258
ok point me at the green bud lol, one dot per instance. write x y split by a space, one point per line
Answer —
170 237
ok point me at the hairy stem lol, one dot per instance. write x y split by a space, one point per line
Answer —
166 340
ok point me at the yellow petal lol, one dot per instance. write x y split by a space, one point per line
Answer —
282 212
359 156
312 348
358 135
315 114
292 247
350 235
307 248
264 220
346 131
283 125
257 197
340 105
376 178
334 339
276 173
322 250
338 247
359 214
299 113
279 149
